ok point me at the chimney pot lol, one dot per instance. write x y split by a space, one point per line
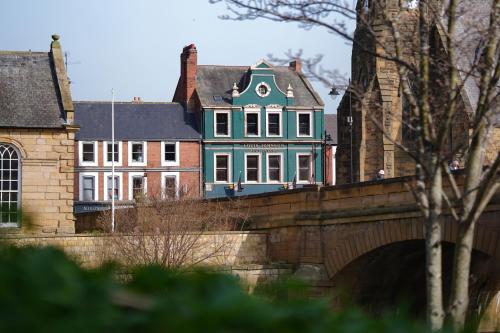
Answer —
296 65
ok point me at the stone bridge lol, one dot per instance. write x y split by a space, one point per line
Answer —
365 241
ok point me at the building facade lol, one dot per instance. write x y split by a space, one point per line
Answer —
36 142
156 153
262 126
363 149
330 144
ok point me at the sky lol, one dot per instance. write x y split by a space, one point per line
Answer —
133 46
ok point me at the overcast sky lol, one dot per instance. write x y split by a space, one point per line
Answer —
134 45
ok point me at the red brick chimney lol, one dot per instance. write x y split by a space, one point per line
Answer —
296 65
187 81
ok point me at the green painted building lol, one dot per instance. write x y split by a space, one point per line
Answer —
261 126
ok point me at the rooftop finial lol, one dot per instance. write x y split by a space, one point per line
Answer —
235 90
289 90
55 37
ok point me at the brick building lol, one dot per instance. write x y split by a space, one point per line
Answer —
157 153
36 141
330 149
261 125
377 81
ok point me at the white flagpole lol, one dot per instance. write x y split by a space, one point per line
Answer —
112 160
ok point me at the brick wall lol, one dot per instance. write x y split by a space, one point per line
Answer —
47 177
189 159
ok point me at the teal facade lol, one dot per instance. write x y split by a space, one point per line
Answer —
258 139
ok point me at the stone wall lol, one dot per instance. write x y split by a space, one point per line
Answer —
47 171
246 248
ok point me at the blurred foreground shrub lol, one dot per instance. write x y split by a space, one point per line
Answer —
41 290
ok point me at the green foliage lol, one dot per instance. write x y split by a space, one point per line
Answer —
41 290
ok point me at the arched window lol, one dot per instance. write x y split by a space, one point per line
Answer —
9 185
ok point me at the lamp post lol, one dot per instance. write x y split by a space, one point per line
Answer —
334 92
112 160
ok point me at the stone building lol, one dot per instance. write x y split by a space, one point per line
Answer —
36 142
261 126
362 148
157 153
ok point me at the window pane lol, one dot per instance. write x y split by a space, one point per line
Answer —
304 124
252 161
110 189
222 162
8 184
170 188
137 186
222 123
137 152
221 172
88 152
252 172
274 167
221 175
88 188
252 124
273 124
110 152
170 152
304 168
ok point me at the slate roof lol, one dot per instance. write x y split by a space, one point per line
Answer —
29 94
135 121
331 127
213 80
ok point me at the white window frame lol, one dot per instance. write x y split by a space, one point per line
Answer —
229 168
96 184
281 168
177 157
177 183
311 128
8 146
131 175
105 153
145 153
252 111
280 113
105 187
259 168
228 124
80 153
311 163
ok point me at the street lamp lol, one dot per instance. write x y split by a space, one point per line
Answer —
334 92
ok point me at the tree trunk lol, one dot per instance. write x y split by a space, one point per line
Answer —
435 312
463 248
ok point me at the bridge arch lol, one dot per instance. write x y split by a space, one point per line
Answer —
345 243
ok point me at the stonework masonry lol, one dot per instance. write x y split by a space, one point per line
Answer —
248 248
47 171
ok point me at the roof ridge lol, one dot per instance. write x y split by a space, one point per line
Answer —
240 66
6 52
125 102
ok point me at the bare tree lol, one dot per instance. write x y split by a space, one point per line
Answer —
174 232
438 49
